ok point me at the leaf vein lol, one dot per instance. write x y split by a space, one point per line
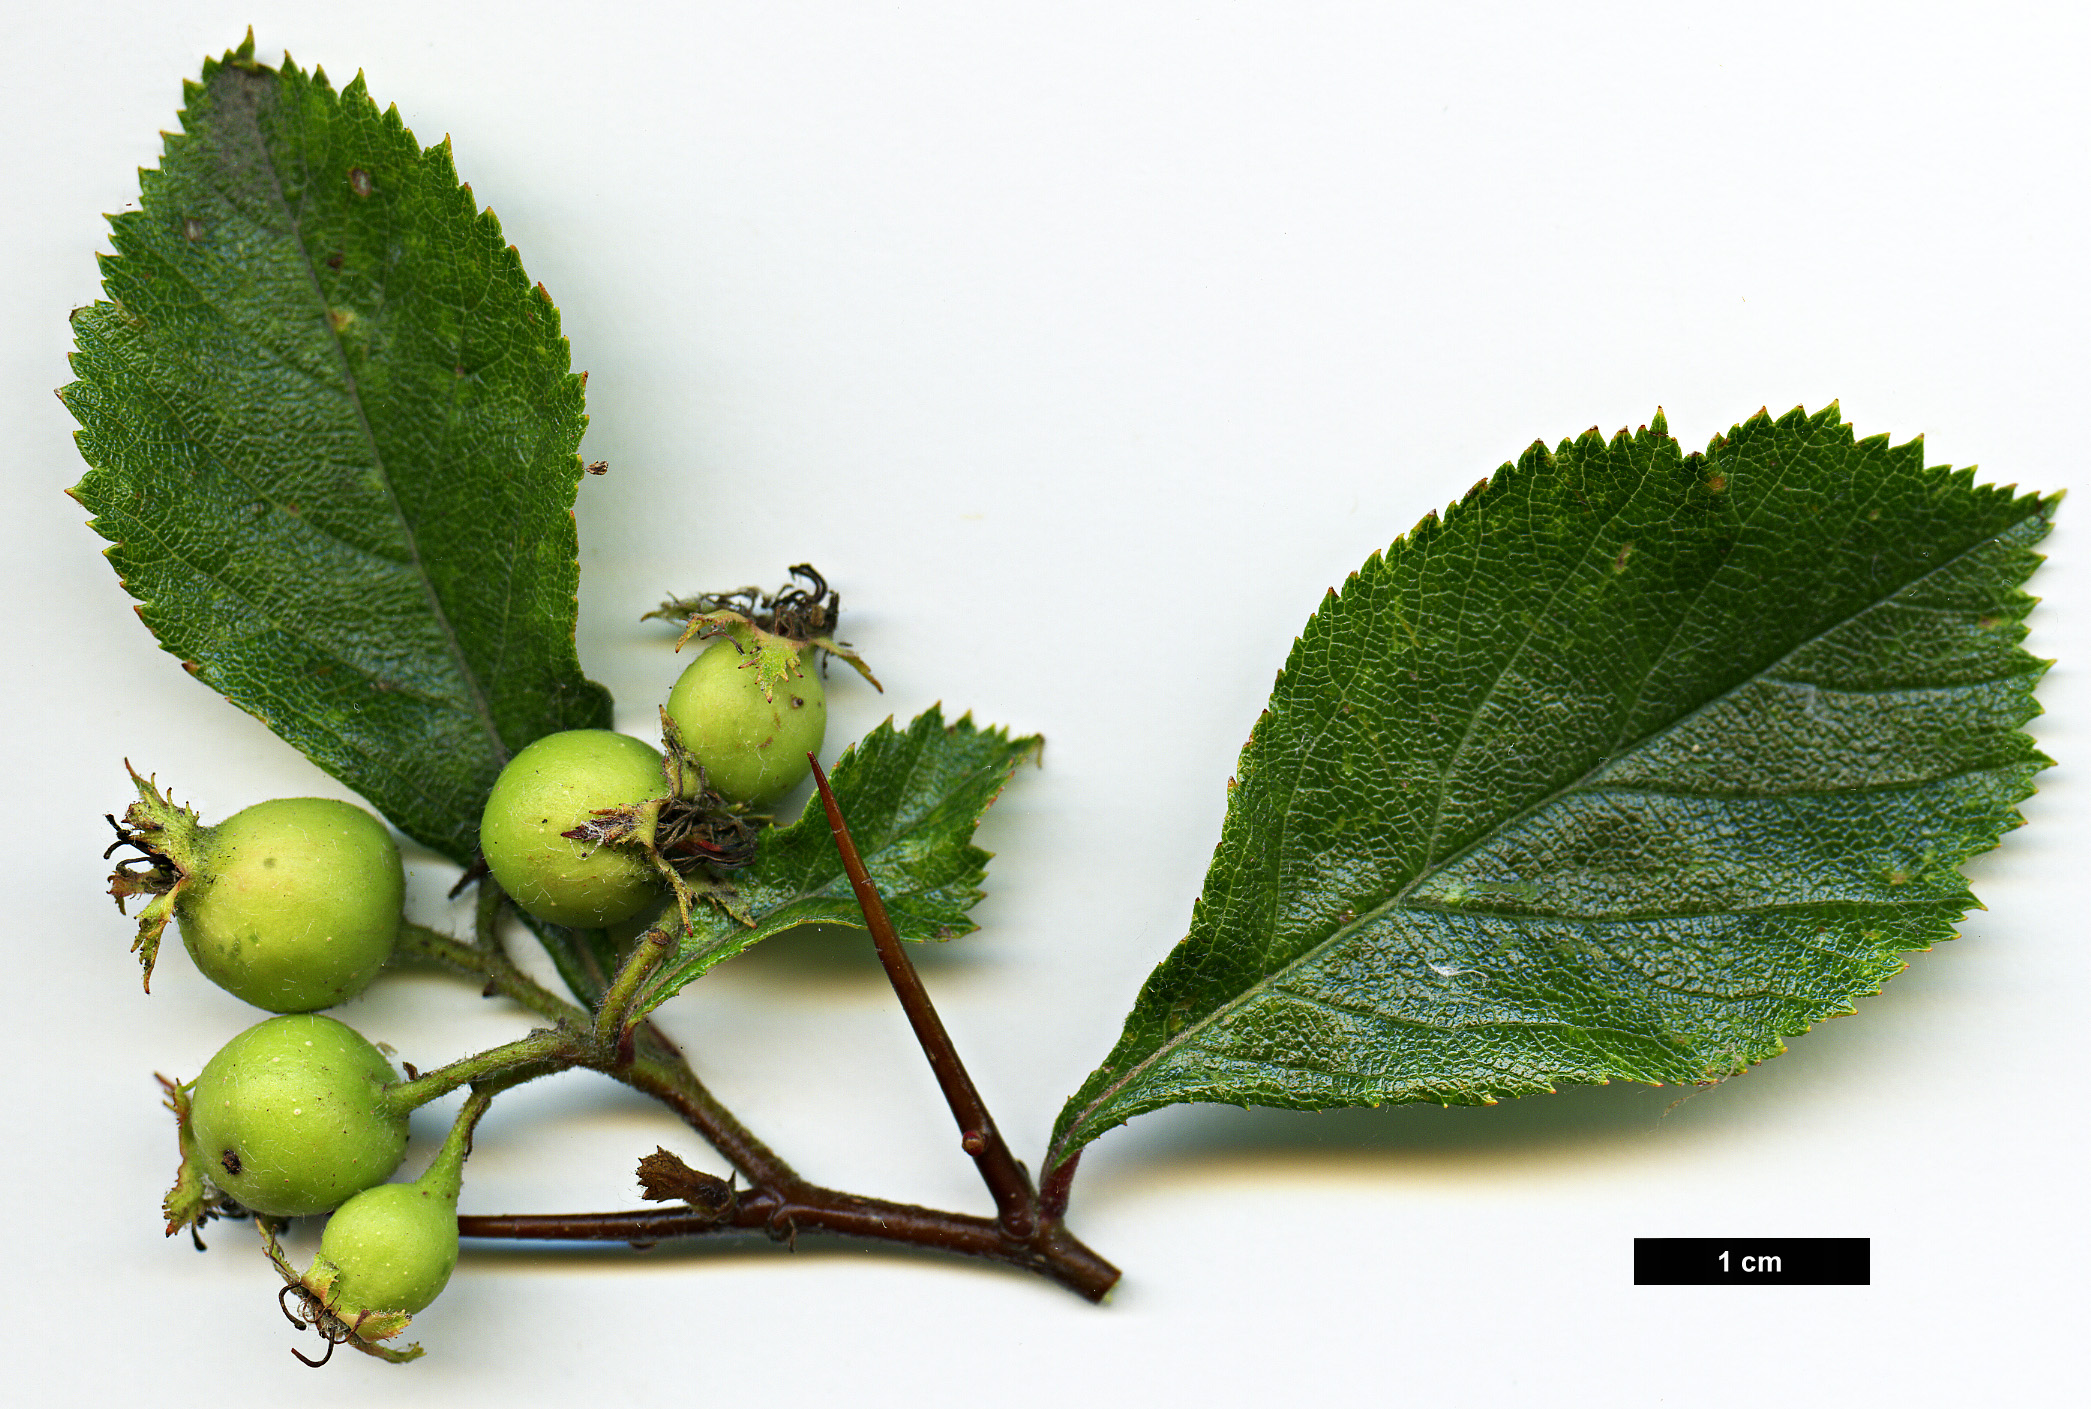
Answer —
480 707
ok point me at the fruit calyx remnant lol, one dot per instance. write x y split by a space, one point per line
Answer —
318 1296
194 1200
796 616
693 826
170 842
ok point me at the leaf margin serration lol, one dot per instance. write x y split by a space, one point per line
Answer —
1092 1110
546 434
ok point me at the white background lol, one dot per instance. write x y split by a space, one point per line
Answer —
1085 345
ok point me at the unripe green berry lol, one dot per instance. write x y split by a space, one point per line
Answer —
295 905
753 748
554 786
396 1246
291 1116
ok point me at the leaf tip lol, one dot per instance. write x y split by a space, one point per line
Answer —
245 52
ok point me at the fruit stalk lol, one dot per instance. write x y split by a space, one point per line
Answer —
542 1052
448 1167
614 1015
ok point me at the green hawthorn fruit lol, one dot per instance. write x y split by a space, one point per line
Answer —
753 744
396 1246
554 786
295 904
291 1116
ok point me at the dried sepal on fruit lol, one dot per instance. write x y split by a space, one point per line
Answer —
170 840
292 904
806 616
316 1290
194 1200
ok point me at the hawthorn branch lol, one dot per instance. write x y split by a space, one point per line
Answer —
781 1203
675 1085
1052 1252
658 1070
978 1136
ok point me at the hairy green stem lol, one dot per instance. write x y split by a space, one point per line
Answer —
486 918
615 1013
491 965
447 1169
544 1051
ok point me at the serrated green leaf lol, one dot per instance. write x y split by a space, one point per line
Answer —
912 801
332 426
1633 765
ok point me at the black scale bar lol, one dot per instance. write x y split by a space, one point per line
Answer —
1810 1262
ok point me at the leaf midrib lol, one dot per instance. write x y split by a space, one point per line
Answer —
1511 658
480 707
1399 900
141 529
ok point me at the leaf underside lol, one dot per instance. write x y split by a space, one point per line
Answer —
331 428
1632 765
912 800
